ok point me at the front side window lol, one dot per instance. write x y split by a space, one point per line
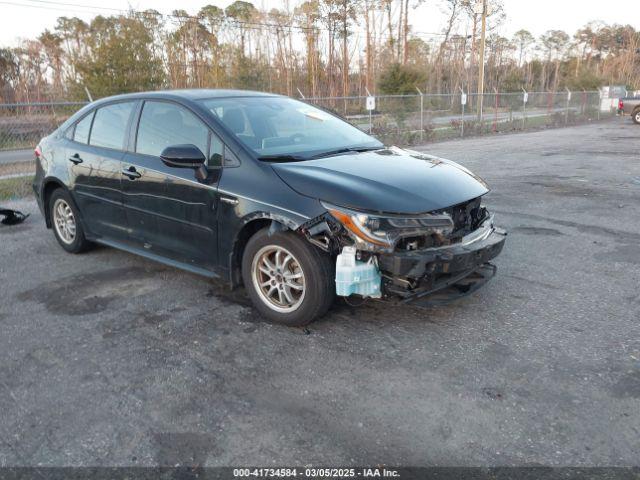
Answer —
110 125
83 127
282 127
163 124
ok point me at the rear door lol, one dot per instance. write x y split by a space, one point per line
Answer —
171 211
94 154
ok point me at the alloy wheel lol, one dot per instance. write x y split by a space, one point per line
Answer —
278 278
64 221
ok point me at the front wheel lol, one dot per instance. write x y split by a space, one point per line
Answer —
636 117
288 280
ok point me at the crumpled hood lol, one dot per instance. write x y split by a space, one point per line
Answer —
389 180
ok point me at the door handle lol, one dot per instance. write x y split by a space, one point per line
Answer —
229 200
131 172
75 159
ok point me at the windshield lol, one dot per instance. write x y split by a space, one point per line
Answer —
283 129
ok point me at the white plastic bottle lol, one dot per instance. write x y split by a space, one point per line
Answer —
354 276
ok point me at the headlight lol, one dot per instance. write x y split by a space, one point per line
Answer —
384 231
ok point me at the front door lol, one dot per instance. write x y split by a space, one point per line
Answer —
170 211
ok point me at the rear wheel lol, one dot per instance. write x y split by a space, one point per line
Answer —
636 116
65 222
288 280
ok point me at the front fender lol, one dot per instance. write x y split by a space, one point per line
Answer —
246 227
252 196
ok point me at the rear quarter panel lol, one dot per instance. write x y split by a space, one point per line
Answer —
51 167
54 151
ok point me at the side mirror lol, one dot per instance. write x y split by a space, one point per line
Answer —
183 156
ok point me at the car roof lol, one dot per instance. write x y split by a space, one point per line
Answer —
190 94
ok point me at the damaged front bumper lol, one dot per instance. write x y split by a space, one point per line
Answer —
404 269
415 274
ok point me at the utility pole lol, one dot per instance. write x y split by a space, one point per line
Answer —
481 59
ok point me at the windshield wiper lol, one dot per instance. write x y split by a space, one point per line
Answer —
344 150
285 157
282 158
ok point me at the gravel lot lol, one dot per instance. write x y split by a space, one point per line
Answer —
109 359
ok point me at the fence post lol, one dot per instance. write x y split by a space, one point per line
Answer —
525 98
463 102
370 111
482 114
566 111
495 109
421 114
599 102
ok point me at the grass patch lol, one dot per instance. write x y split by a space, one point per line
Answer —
18 187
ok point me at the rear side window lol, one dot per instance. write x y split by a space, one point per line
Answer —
81 133
110 125
163 124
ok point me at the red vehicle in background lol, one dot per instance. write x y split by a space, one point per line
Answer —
630 106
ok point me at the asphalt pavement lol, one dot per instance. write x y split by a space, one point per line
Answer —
110 359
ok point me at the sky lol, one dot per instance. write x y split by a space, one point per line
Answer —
22 19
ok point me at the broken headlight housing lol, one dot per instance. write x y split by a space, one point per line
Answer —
385 231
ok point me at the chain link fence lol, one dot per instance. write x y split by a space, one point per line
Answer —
395 119
419 118
22 125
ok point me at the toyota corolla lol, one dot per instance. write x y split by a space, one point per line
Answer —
268 192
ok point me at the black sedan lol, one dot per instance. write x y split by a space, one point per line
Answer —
266 191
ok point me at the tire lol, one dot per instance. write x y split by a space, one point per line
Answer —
299 264
65 222
635 116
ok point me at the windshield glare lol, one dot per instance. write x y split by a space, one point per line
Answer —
280 126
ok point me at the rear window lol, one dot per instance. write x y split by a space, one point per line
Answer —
110 125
